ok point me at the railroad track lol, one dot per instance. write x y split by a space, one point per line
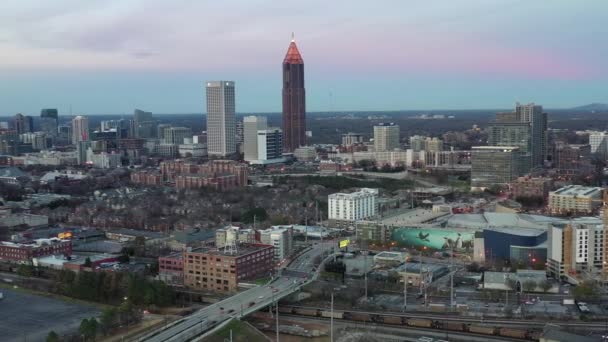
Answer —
408 330
444 317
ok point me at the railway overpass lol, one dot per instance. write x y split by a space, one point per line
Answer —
298 273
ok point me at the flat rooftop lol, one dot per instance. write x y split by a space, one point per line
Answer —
240 250
578 191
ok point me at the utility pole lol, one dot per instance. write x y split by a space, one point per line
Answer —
405 289
452 278
331 319
365 273
277 321
306 229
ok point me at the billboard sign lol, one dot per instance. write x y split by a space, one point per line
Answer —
433 238
344 243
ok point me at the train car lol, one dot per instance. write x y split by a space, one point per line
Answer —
358 316
286 309
511 332
481 329
336 314
534 335
392 320
454 326
306 312
420 322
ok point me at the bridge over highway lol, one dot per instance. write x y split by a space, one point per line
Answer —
298 273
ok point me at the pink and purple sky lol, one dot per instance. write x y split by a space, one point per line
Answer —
114 55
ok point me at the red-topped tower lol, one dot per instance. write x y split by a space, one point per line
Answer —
294 99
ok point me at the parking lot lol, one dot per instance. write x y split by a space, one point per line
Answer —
28 317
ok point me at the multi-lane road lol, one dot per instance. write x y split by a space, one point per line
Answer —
300 271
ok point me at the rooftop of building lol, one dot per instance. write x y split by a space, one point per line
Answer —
358 193
508 220
412 267
33 243
520 275
135 233
12 172
496 148
390 255
239 250
578 191
437 190
193 235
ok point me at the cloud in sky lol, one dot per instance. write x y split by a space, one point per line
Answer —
500 40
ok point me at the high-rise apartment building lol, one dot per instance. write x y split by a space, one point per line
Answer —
49 121
353 206
176 135
22 123
270 146
494 166
251 126
350 139
433 145
294 99
599 144
80 129
386 137
534 115
144 124
417 143
513 134
221 127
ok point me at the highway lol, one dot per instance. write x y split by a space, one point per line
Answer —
300 271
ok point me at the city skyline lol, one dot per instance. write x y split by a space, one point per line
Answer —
107 58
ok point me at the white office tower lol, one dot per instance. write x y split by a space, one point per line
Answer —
80 129
386 137
251 126
221 126
353 206
599 144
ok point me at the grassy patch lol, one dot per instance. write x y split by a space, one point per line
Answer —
262 281
241 332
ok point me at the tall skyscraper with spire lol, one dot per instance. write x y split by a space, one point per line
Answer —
294 99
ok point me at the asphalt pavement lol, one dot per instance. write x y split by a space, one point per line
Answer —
245 302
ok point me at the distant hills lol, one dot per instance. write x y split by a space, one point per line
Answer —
593 107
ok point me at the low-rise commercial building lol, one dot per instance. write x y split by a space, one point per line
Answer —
171 269
531 187
575 199
233 235
25 252
281 238
221 270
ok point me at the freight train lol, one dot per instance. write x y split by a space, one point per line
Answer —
520 333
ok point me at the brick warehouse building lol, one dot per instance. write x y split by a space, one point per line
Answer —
218 270
219 174
25 252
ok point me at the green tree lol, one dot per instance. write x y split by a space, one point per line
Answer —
87 262
52 337
84 328
546 285
586 290
260 215
25 270
528 285
107 320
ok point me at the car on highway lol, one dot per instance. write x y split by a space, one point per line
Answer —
275 290
230 311
251 304
261 297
